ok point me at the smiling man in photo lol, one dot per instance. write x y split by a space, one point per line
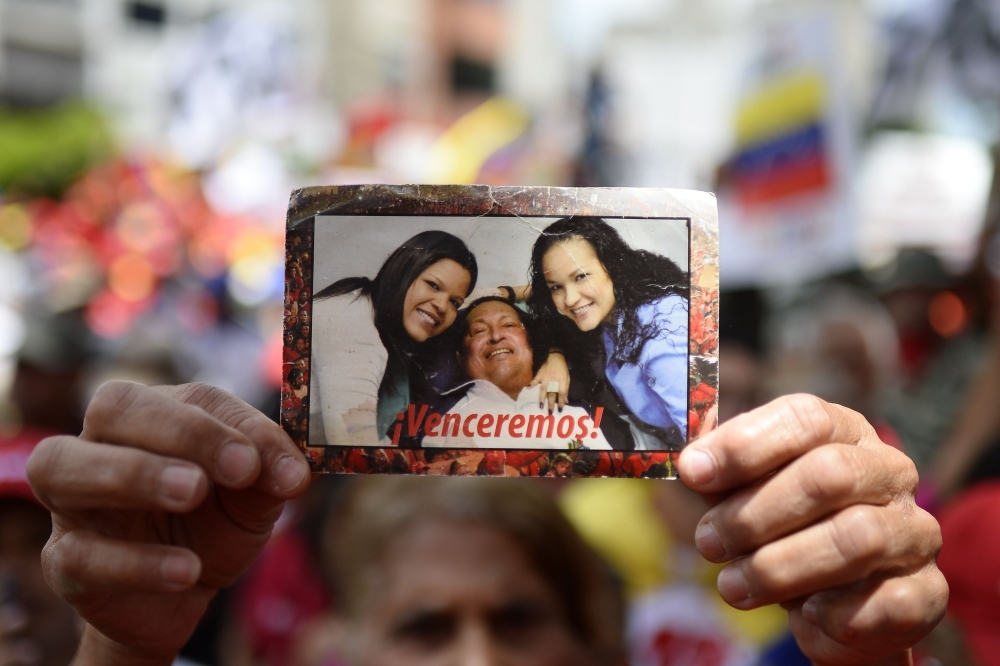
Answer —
500 409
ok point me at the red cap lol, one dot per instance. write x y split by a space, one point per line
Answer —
970 561
14 453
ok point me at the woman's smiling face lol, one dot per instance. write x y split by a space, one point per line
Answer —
433 299
580 287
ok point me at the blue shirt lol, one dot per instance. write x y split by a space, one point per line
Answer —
655 389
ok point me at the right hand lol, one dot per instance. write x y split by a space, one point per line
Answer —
813 511
554 374
167 495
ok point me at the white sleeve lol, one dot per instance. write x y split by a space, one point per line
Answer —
348 362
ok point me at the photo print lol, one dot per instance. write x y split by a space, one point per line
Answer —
500 331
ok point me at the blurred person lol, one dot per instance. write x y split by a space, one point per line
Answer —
49 376
906 288
741 363
811 510
971 452
469 571
941 350
740 372
495 351
286 592
838 344
37 628
970 560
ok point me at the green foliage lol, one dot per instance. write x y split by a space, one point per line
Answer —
43 151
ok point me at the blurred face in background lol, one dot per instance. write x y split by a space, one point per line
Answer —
460 593
36 626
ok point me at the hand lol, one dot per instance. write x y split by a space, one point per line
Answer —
554 373
168 494
815 513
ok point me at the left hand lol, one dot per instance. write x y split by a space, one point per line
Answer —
814 512
167 495
554 373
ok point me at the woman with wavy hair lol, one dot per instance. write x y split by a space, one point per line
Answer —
627 308
375 337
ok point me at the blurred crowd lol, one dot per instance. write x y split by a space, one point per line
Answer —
141 238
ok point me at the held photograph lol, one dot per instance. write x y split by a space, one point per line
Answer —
492 344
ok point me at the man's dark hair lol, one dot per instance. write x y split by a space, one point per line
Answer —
379 510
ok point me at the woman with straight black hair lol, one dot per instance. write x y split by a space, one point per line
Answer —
626 309
375 336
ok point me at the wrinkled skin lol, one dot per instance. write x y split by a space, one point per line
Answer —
814 512
496 348
462 593
146 529
810 510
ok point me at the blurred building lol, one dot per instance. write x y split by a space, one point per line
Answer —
42 52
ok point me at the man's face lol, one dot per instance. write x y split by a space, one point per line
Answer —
38 626
463 593
496 346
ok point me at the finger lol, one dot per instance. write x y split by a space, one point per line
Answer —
81 563
138 416
284 470
563 395
817 484
753 445
70 474
849 546
551 400
879 619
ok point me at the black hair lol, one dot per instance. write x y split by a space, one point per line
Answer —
637 277
387 292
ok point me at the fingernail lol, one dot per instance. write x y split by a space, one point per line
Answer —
733 586
708 542
700 466
179 483
289 472
810 611
180 570
236 462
